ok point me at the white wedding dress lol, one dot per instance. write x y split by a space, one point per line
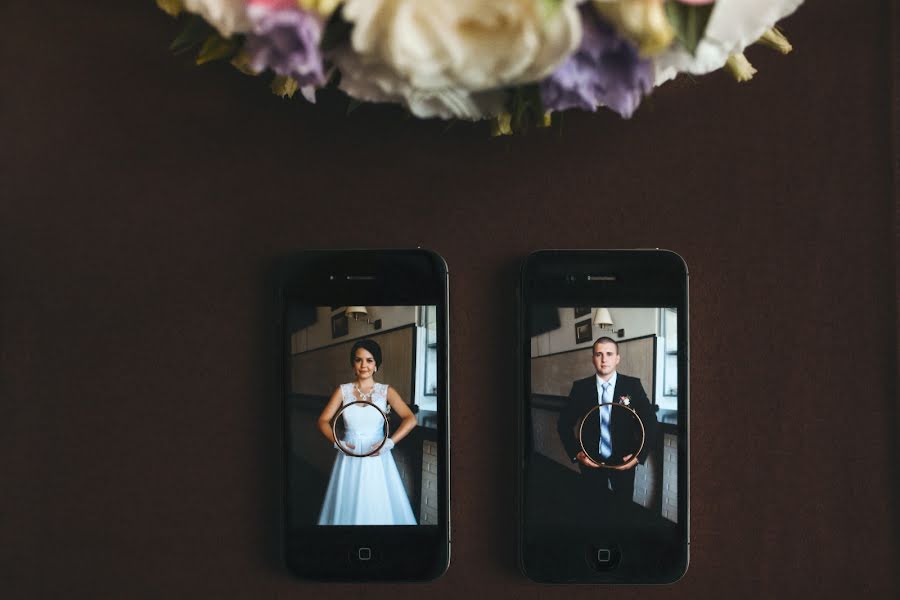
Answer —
365 490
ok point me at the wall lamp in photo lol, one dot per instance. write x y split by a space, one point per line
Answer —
361 313
604 321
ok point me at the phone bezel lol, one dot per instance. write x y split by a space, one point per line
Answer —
380 277
633 278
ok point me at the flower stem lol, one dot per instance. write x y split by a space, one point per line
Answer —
740 67
774 39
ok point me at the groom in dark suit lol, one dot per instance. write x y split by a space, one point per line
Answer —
615 436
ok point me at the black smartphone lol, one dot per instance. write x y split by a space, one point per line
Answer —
603 416
365 415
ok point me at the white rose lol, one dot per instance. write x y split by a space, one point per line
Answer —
733 25
378 83
470 44
228 16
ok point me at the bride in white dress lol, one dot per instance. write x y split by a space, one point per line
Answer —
366 490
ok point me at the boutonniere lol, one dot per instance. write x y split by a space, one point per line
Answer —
626 400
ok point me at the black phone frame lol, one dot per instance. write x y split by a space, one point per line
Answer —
650 278
371 277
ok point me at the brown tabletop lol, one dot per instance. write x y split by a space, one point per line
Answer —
142 200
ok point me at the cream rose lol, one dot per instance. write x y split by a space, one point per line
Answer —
472 45
378 83
733 25
228 16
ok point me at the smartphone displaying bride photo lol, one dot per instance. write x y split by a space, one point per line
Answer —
364 338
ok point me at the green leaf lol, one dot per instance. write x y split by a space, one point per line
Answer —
526 108
353 104
284 86
171 7
337 31
217 48
689 22
195 31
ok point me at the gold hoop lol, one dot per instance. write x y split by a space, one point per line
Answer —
387 428
597 408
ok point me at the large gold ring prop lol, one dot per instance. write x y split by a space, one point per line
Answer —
350 451
635 441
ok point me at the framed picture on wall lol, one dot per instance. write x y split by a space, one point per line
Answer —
340 326
580 311
583 331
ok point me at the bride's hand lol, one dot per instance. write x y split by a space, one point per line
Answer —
387 446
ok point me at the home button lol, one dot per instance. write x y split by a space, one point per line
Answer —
603 557
364 553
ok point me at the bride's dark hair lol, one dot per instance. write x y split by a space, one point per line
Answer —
371 346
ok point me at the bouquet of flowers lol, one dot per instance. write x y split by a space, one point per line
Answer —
513 61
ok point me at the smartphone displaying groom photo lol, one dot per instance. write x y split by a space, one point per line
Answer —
603 410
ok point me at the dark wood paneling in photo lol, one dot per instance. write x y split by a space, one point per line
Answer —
553 374
320 372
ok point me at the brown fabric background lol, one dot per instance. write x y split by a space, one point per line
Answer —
143 200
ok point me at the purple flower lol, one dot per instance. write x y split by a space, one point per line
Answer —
286 39
605 70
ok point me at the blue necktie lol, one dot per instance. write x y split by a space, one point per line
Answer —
605 439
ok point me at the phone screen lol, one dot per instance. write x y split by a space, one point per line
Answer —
365 377
365 415
604 484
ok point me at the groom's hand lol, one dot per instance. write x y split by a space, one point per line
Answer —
583 459
630 462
